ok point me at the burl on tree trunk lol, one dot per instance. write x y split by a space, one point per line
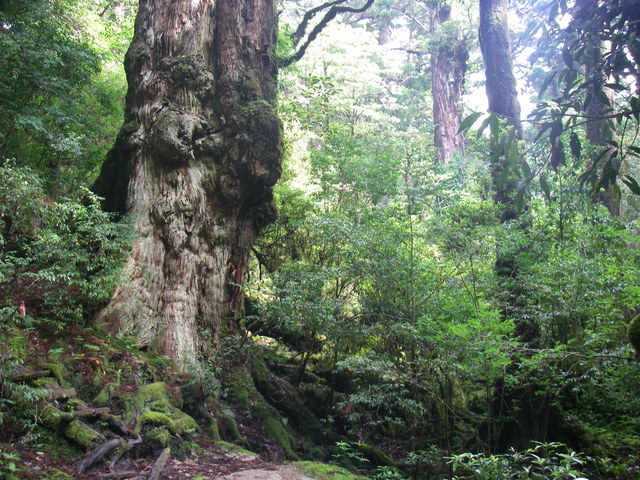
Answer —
193 167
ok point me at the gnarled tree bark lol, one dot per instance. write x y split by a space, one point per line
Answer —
193 167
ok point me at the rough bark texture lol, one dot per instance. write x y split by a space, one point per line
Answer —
448 68
193 167
496 52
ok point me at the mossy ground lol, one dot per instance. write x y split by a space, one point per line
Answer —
325 471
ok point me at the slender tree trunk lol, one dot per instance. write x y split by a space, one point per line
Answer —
448 68
193 167
503 101
496 52
600 105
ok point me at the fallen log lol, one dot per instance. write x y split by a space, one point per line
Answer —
57 393
160 463
24 375
97 454
90 412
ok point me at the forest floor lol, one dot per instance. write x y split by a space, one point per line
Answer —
212 462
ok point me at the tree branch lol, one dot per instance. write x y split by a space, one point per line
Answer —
302 28
330 15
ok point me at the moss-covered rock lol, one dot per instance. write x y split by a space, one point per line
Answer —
178 423
155 418
245 395
82 434
183 423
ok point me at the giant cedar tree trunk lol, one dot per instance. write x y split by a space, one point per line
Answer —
193 167
448 68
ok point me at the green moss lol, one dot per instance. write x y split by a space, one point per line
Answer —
157 437
187 449
323 471
54 418
82 434
105 394
375 456
155 397
213 430
57 475
633 333
178 424
183 423
57 370
251 87
155 418
240 387
46 382
230 428
274 430
233 448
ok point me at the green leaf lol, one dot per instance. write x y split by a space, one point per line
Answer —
547 82
544 185
617 87
557 155
632 183
469 121
483 126
567 57
575 145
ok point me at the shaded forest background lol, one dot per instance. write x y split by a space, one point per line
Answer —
432 293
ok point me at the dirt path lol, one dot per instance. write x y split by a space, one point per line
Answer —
282 472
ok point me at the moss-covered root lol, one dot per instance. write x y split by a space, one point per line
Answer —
234 449
245 395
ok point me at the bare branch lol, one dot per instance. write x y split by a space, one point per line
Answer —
330 15
302 28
